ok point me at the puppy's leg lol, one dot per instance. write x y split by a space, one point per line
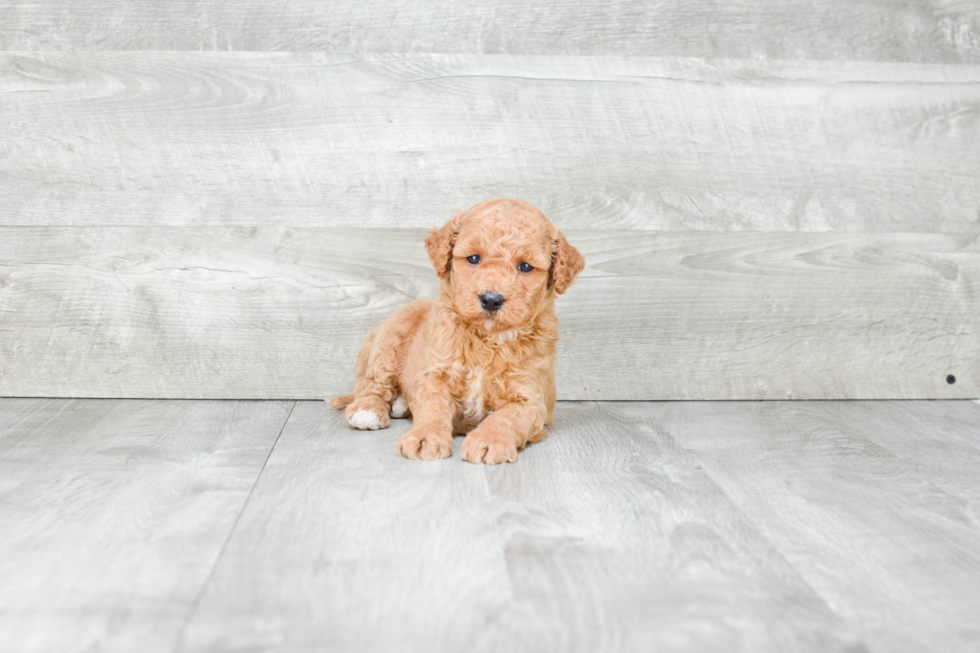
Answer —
399 409
498 437
431 435
379 364
375 383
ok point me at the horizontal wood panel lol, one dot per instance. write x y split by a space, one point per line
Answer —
926 30
160 138
275 312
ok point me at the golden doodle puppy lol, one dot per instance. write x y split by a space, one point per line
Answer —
480 359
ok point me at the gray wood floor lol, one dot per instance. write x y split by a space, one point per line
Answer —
270 526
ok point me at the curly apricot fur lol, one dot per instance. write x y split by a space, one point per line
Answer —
463 369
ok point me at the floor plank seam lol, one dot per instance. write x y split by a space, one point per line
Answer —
231 532
758 527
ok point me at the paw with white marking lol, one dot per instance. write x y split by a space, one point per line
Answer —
365 420
367 414
399 409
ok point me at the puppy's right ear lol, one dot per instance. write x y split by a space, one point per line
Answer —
439 244
566 262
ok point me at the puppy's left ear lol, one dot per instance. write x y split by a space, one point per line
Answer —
566 262
439 244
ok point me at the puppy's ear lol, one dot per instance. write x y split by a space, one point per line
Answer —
566 262
439 244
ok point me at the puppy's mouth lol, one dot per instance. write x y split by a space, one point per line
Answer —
491 315
492 323
491 306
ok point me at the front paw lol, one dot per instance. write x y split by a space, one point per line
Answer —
423 444
484 446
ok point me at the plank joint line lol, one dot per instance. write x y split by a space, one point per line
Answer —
224 545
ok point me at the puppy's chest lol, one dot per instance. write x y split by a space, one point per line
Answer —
477 393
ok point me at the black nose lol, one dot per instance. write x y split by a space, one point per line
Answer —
491 301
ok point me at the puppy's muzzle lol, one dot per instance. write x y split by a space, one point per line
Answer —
491 301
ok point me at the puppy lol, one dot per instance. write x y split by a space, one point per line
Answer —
480 359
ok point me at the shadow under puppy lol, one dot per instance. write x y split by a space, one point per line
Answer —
479 360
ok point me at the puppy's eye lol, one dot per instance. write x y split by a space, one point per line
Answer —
525 267
473 259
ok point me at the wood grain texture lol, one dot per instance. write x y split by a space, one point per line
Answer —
926 30
604 537
114 514
329 140
268 312
876 505
351 548
639 526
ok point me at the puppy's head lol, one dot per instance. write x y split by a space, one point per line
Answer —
501 261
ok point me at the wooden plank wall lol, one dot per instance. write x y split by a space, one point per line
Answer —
220 199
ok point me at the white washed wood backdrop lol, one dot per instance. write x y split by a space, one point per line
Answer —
776 200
